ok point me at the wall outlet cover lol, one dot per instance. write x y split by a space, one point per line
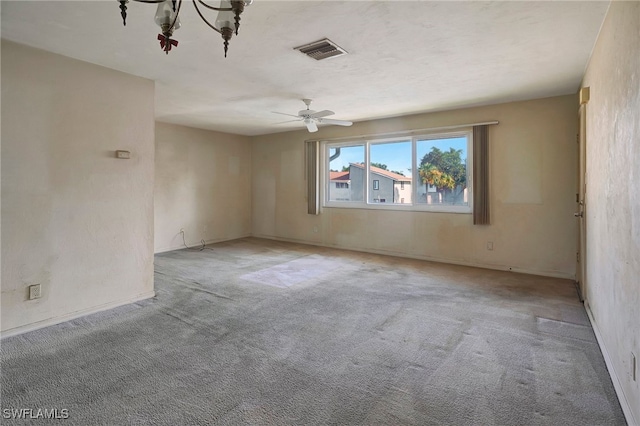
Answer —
35 291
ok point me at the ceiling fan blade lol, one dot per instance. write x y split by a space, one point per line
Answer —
288 121
320 114
311 126
336 122
283 113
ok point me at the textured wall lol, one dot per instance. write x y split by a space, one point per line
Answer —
613 191
74 218
203 185
533 178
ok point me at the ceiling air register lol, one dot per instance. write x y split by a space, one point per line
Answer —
321 49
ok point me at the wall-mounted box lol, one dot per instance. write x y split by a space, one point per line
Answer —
584 95
35 291
124 155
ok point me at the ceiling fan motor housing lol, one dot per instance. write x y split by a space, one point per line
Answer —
310 117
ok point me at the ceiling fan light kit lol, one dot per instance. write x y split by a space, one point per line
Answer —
167 17
311 118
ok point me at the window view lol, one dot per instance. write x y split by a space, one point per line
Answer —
343 186
442 169
390 172
421 173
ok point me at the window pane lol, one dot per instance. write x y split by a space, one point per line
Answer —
390 173
442 170
345 183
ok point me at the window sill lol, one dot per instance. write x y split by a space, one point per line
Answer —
400 207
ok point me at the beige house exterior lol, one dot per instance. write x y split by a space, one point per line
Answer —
385 186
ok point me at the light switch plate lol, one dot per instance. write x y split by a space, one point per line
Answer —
123 154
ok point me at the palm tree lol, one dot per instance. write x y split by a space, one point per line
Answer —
432 175
444 169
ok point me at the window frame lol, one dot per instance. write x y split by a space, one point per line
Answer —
413 206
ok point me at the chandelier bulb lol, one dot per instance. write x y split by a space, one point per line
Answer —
166 15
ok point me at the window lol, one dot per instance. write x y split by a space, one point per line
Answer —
389 162
441 163
347 184
427 172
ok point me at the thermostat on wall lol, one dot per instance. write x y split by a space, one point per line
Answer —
123 154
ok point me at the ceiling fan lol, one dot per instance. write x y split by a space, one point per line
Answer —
312 118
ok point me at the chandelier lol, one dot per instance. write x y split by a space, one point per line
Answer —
226 24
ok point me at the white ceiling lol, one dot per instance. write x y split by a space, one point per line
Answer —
404 56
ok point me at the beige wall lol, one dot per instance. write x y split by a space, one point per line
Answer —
74 218
613 194
533 175
203 185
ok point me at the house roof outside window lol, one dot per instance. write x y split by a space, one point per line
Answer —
382 172
341 176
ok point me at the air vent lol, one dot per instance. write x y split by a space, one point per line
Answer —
322 49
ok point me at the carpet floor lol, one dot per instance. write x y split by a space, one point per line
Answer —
270 333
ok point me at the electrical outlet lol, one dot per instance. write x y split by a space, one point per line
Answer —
35 291
123 155
315 229
634 367
489 245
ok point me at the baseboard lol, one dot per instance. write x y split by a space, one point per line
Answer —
552 274
198 244
77 314
626 408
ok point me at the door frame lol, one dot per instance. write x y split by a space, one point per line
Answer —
581 198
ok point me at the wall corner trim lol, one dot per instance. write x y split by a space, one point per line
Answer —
626 408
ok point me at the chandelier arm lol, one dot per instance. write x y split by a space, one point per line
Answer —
219 9
177 14
195 4
149 1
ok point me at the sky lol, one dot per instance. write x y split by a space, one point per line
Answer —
397 156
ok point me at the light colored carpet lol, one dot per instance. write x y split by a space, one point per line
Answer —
262 332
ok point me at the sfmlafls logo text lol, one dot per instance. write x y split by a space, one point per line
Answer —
35 413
